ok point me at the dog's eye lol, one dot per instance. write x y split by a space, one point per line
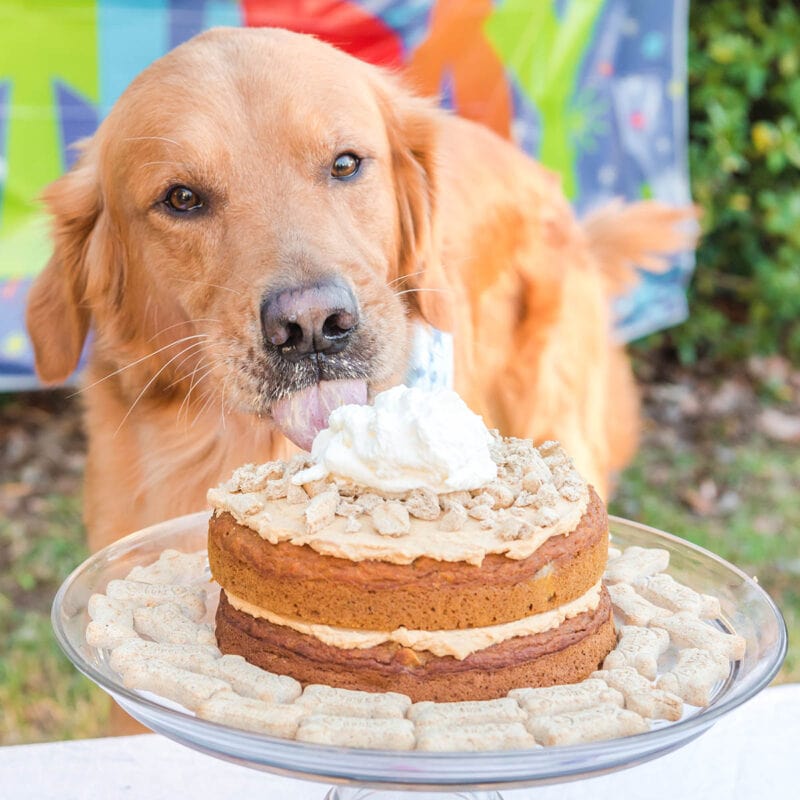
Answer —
345 165
182 198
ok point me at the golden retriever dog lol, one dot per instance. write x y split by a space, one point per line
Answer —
250 237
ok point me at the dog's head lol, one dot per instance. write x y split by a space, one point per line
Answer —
254 215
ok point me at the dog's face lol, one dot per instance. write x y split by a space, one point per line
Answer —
254 204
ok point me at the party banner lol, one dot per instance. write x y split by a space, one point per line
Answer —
595 89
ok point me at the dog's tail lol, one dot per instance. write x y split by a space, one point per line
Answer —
624 237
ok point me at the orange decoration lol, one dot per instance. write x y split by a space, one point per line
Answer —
456 45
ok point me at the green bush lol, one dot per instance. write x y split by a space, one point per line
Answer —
744 101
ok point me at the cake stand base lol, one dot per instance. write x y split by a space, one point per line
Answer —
356 793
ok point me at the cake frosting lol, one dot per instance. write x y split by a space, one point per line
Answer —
407 439
458 643
284 522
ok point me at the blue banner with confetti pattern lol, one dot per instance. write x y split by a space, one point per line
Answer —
595 89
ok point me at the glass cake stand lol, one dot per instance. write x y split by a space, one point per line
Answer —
361 774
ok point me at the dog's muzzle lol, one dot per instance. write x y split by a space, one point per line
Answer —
304 323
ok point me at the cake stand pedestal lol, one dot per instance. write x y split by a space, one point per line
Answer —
356 793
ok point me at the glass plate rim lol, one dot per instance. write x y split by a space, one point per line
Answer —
613 750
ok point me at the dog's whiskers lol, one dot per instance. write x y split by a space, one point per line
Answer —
151 138
209 396
182 378
405 277
139 361
411 291
211 285
222 403
196 382
183 322
152 380
162 163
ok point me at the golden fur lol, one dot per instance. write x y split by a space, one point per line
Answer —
447 223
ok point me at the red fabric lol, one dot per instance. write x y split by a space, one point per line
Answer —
339 22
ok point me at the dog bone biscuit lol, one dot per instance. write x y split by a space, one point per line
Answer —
173 566
137 594
295 494
329 701
321 510
391 519
508 527
104 609
589 725
551 700
381 734
347 508
481 512
168 624
635 563
423 503
187 688
502 496
185 656
474 736
694 675
632 606
254 477
640 695
352 525
686 630
454 517
275 489
109 634
665 591
251 715
251 681
112 622
314 487
506 709
296 464
571 490
638 648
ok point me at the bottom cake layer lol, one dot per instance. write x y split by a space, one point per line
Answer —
566 654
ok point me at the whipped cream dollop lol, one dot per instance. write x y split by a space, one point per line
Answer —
407 439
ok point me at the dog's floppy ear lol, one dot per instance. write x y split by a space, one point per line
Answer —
57 314
411 124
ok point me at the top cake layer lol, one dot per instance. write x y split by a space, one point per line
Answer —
537 493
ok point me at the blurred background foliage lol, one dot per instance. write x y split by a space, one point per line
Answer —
719 459
744 102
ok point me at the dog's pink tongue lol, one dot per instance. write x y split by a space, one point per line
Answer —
302 415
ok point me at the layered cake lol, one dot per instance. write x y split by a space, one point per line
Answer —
414 551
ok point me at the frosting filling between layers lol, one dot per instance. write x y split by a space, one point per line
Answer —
407 439
456 643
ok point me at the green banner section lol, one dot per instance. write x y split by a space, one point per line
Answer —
34 54
545 51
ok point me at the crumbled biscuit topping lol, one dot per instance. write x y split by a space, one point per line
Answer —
531 481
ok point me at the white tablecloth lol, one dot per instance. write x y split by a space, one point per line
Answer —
753 753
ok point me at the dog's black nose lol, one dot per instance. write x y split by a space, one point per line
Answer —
316 318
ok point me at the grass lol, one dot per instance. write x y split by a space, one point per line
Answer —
42 697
